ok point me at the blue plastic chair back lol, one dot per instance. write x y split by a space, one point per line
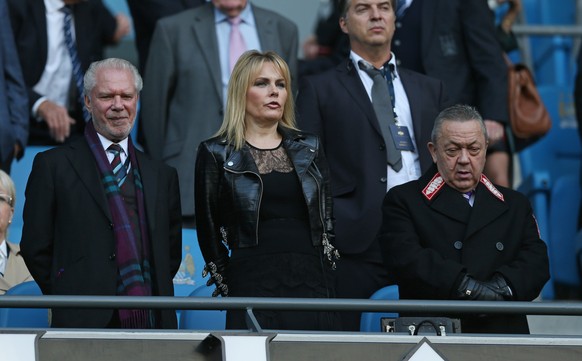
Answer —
202 319
371 321
564 206
24 317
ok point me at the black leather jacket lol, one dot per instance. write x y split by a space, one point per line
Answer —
229 190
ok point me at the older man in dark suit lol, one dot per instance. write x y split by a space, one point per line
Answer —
100 218
452 234
52 75
341 106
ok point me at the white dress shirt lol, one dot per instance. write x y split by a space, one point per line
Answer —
248 29
55 81
410 162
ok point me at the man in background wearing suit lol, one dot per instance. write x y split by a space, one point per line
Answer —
187 72
454 41
337 105
146 13
53 82
13 98
101 218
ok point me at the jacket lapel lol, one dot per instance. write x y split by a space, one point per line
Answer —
203 30
300 154
267 31
451 203
84 165
149 179
486 209
349 78
413 91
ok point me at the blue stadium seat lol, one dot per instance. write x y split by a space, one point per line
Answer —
549 172
24 317
202 319
370 321
19 174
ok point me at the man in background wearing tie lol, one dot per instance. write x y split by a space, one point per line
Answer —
101 218
373 119
187 72
56 41
453 235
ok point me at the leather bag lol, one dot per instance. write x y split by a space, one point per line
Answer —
528 115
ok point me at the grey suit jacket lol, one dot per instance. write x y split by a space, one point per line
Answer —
182 101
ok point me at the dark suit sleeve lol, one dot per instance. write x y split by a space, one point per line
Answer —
308 113
412 264
38 232
486 59
15 87
529 271
207 203
175 211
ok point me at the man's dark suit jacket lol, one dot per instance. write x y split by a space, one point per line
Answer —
335 106
429 241
94 28
459 47
68 242
13 99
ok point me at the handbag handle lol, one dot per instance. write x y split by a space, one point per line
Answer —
437 329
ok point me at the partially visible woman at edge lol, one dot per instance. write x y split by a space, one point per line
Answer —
262 192
12 268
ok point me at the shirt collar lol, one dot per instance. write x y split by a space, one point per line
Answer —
4 250
54 5
246 15
106 143
356 58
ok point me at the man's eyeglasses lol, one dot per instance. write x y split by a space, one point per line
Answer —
6 199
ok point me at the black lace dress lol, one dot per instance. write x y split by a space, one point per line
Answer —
285 263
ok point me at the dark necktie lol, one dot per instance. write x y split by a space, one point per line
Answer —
119 169
77 72
382 102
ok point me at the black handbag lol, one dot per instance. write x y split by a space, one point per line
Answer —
440 326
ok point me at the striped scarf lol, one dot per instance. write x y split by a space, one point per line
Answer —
134 277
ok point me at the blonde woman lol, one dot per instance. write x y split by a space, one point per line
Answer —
262 193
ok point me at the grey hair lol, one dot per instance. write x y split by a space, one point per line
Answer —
90 79
457 113
7 185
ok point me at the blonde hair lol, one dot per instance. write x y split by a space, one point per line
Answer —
243 75
7 185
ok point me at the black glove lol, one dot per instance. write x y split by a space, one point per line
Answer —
499 284
216 278
471 289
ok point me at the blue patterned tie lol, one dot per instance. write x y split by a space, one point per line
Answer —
77 72
119 169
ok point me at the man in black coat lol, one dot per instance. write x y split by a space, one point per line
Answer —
94 226
453 235
337 105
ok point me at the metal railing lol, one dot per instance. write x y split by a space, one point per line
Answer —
294 304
